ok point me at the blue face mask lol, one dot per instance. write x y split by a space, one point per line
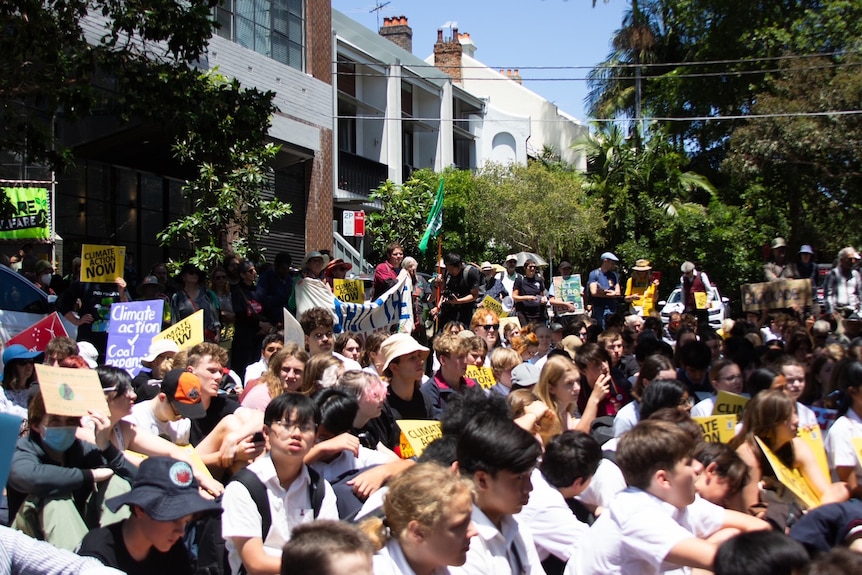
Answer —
59 438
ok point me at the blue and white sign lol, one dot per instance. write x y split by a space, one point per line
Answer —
132 328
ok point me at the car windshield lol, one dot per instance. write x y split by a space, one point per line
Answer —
17 294
674 296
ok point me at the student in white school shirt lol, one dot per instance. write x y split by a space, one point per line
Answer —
839 441
568 464
290 425
657 524
499 457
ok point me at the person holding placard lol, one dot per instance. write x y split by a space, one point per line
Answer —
771 416
695 292
844 441
530 296
386 273
88 306
725 375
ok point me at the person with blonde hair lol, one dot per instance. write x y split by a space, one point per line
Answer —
286 368
503 361
427 524
559 386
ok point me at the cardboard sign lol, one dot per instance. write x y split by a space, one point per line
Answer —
416 434
777 294
495 306
484 376
70 392
102 264
349 290
293 330
186 333
727 403
29 218
569 289
857 446
507 320
717 428
792 479
37 336
700 300
131 330
814 438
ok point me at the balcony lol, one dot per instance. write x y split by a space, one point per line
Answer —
359 175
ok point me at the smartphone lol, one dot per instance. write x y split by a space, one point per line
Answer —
257 437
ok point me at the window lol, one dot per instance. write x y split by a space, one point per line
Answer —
274 28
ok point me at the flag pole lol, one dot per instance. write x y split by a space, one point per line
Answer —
439 280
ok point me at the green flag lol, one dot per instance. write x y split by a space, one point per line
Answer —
435 220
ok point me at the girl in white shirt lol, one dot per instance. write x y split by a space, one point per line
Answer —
839 442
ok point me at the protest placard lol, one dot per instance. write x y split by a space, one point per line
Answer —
825 416
349 290
29 217
186 333
717 428
569 289
700 300
792 479
495 306
37 336
814 438
70 392
131 330
857 445
484 376
727 403
102 264
416 434
777 294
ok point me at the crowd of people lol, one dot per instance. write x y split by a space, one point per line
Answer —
247 453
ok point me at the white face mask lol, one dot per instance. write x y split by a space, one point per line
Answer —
45 279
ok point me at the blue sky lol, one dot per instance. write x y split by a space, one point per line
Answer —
510 34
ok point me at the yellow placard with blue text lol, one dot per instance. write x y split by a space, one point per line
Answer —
484 376
102 264
717 428
186 333
792 479
727 403
416 434
494 305
352 291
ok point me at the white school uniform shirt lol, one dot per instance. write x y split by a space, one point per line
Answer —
390 560
636 533
287 508
143 417
704 408
347 462
626 418
554 527
606 483
807 418
839 443
495 552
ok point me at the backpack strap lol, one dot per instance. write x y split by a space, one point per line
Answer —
316 490
257 490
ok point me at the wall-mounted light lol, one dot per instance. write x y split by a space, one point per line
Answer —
82 207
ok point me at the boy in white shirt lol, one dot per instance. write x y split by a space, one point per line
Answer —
657 524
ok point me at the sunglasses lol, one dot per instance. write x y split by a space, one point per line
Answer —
530 267
490 326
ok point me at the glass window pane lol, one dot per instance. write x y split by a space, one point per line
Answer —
280 48
294 29
245 9
244 33
294 59
295 7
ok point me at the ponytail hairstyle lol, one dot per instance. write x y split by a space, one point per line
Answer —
847 375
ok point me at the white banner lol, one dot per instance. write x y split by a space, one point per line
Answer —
393 307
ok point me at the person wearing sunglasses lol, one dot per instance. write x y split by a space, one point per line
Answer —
530 295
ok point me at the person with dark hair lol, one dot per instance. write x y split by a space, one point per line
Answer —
839 444
465 406
275 287
499 457
604 287
693 369
594 365
193 296
760 552
530 295
762 379
460 291
654 367
665 393
657 523
163 500
386 273
251 325
837 561
58 349
253 538
568 464
327 547
271 344
724 473
318 324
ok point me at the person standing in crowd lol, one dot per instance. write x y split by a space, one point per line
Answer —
386 273
313 265
226 317
194 296
842 289
806 267
251 323
275 287
530 296
778 268
511 273
461 289
641 289
492 286
604 286
565 311
151 289
88 306
693 284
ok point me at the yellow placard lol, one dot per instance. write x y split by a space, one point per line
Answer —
102 264
813 436
495 306
352 291
792 479
727 403
416 434
484 376
186 333
70 392
776 294
717 428
857 445
700 299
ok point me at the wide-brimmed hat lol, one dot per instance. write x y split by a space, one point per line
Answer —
336 264
642 265
315 254
183 389
486 266
166 489
609 256
89 353
806 249
778 242
157 348
399 344
525 375
18 351
150 281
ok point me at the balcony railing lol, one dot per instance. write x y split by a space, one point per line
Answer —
360 175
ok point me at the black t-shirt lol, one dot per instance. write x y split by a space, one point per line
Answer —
465 282
106 544
529 286
381 429
220 407
417 407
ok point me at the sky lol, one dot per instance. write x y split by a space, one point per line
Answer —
525 34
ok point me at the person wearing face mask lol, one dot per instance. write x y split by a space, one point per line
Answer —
59 480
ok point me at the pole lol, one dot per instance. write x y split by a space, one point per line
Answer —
439 281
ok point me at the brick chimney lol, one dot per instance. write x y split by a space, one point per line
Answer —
395 29
447 54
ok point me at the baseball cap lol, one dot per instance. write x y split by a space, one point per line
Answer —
89 353
150 281
157 348
511 257
564 264
183 389
778 242
525 375
166 489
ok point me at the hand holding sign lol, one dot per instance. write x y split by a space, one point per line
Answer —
70 392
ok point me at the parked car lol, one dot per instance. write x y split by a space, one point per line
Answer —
718 307
22 304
